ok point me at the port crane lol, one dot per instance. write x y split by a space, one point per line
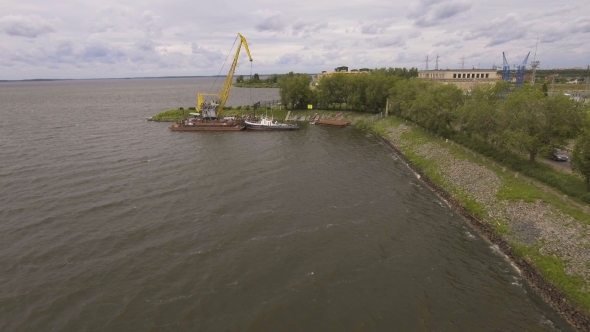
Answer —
214 108
520 71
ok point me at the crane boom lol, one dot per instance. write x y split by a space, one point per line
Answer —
505 69
521 71
224 94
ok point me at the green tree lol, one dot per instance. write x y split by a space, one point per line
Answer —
534 123
240 79
295 91
403 94
581 157
436 108
355 89
377 90
479 116
272 79
333 89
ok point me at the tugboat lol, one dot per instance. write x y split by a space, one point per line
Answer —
269 124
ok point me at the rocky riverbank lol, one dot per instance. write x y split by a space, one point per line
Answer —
530 223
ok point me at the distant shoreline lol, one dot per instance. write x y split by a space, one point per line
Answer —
96 79
112 78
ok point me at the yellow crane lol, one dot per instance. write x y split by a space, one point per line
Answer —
214 108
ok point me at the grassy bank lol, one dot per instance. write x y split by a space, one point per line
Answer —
540 227
177 114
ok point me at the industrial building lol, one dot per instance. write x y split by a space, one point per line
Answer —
463 78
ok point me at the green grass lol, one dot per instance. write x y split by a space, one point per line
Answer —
515 189
551 267
171 115
500 226
175 114
430 168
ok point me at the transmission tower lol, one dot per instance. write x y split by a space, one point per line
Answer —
463 62
534 64
427 62
436 64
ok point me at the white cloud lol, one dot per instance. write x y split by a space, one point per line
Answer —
500 31
429 13
207 56
25 26
270 22
74 39
151 24
389 41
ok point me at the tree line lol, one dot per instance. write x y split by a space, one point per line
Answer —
362 91
504 119
257 82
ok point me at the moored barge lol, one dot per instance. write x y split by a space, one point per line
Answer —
207 126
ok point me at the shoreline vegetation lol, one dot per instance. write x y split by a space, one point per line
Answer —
542 234
479 150
256 82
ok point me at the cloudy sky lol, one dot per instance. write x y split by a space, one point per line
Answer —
149 38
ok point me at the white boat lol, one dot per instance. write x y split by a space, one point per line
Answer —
269 124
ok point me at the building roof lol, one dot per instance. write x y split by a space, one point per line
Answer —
460 70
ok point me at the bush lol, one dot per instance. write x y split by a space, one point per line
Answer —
585 198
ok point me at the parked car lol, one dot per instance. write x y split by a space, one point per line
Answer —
559 156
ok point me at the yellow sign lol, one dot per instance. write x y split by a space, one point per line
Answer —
310 107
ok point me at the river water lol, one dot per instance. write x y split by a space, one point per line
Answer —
109 222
